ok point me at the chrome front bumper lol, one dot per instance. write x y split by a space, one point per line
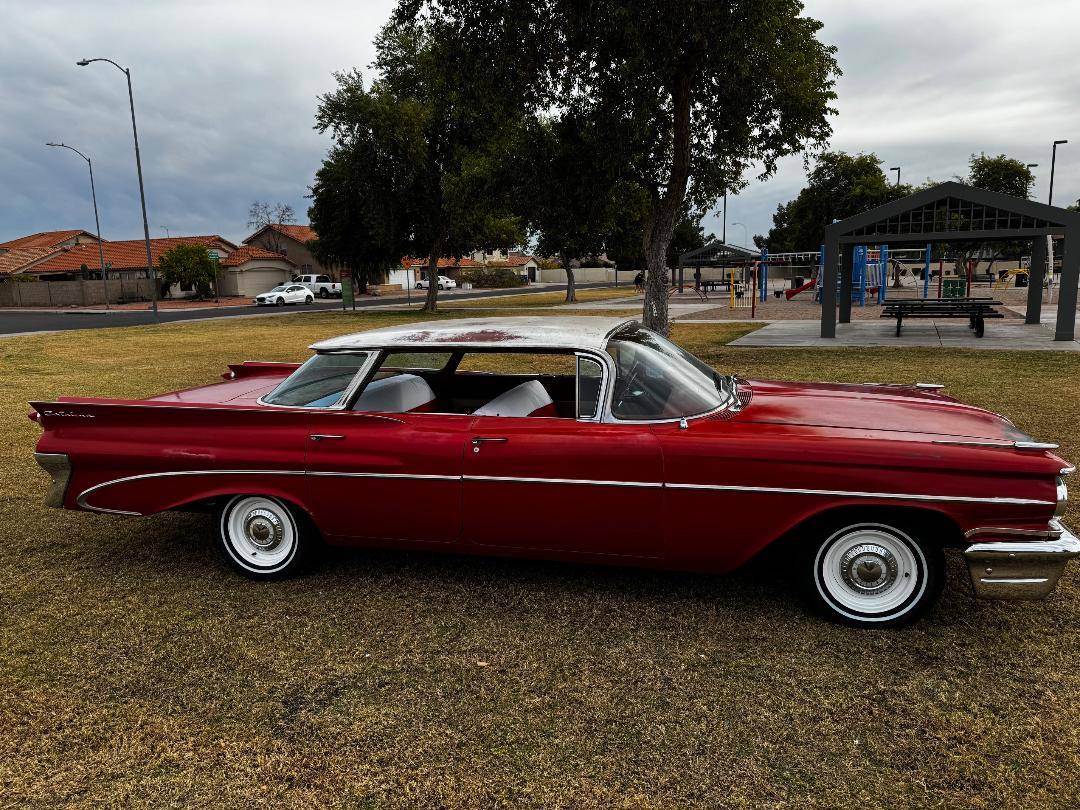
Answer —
1019 570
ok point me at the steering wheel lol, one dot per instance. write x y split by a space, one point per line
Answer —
625 389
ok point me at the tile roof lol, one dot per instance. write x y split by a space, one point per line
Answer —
517 260
45 239
18 259
247 253
129 254
299 233
409 261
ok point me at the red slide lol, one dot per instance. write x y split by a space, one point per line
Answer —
789 294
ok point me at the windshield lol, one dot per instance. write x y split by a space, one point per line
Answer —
319 383
279 289
655 379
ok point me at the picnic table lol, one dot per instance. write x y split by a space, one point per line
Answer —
976 310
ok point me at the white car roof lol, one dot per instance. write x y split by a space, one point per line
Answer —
580 332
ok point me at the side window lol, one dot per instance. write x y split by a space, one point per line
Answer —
589 377
429 361
322 279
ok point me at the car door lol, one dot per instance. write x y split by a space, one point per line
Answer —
387 476
564 485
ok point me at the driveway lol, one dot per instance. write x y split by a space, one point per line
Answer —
26 321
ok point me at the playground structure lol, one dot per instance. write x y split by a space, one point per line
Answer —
889 264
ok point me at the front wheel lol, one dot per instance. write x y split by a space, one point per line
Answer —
280 302
261 538
873 575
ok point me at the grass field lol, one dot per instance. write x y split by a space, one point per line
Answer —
136 670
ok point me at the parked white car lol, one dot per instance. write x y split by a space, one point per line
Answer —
322 286
285 294
445 283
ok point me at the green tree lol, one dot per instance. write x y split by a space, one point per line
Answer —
838 186
468 107
363 196
568 197
685 94
189 266
1074 207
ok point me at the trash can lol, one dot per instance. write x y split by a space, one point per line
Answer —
1021 280
797 282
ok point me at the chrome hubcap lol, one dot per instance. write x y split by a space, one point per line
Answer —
869 568
263 528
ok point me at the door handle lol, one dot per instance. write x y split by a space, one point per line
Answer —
479 440
319 437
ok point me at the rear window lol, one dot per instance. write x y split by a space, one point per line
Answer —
320 382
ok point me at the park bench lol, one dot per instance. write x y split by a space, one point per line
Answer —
976 310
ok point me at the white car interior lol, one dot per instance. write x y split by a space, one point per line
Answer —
397 394
521 400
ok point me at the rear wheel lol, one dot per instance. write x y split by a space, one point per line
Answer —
419 286
261 538
872 575
323 293
310 300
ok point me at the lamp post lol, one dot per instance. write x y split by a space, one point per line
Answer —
138 167
723 235
97 222
1053 160
745 233
167 234
897 170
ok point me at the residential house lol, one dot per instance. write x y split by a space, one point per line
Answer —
292 242
413 270
250 270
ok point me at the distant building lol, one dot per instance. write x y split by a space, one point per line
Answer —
292 242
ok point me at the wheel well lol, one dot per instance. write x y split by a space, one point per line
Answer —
211 505
930 525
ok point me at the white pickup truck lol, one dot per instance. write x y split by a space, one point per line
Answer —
322 286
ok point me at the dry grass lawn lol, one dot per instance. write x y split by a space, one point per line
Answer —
137 670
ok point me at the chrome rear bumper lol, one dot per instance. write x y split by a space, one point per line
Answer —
1019 570
58 467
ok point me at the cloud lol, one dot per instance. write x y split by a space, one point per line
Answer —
927 84
225 97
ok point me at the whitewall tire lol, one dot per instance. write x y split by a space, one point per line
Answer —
873 575
261 538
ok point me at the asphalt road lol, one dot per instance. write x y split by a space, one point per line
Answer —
24 321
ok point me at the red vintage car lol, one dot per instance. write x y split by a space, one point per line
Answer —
588 439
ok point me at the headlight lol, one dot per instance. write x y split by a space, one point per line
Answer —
1062 498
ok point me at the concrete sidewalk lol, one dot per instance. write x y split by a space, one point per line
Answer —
949 333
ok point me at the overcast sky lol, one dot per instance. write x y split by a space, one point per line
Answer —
225 95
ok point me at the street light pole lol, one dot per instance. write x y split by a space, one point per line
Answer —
745 232
897 170
138 167
97 222
723 236
1053 160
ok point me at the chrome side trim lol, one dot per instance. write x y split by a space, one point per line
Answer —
1067 470
418 476
82 498
997 443
929 386
896 496
996 531
582 481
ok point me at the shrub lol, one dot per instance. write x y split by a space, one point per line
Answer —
491 276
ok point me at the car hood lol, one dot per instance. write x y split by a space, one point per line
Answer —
873 407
